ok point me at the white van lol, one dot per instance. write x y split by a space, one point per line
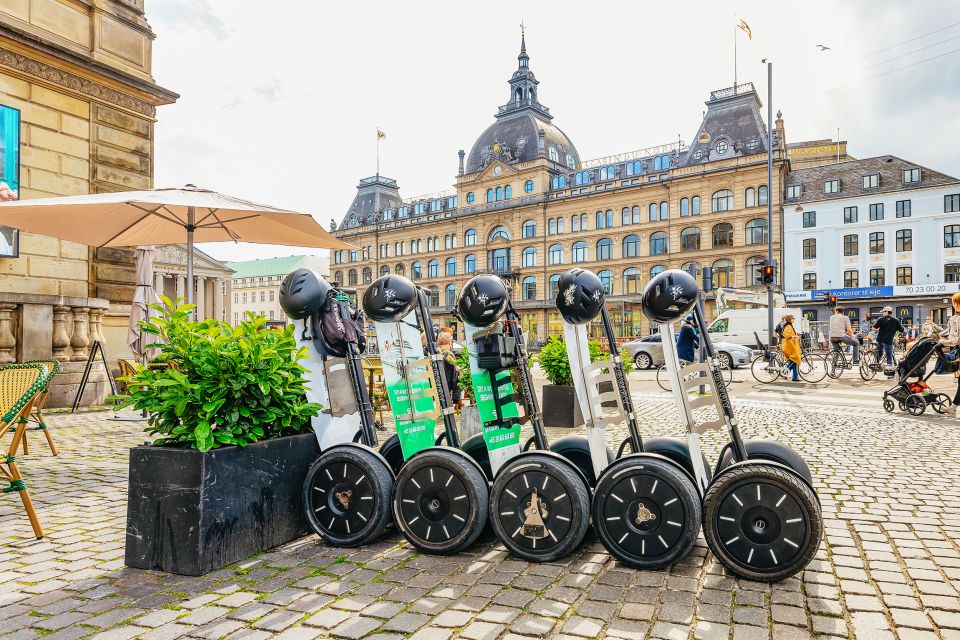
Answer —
739 325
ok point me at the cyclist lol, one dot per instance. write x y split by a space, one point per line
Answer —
687 341
887 327
841 333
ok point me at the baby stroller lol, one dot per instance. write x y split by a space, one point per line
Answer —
913 397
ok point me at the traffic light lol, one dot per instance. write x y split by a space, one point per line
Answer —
832 301
768 273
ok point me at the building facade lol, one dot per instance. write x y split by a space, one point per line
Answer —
256 284
526 206
211 280
874 232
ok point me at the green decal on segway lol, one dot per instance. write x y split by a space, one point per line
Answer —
503 430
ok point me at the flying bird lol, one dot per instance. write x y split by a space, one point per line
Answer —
823 47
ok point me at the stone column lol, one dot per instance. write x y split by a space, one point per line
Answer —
158 279
201 299
96 325
61 341
181 286
8 343
218 299
80 340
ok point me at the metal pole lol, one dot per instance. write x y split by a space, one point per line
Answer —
191 225
770 198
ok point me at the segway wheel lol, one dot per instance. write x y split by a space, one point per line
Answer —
914 404
888 405
441 501
646 511
346 496
539 507
762 522
940 403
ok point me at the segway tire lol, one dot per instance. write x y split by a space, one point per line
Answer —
762 521
346 496
558 523
441 500
646 511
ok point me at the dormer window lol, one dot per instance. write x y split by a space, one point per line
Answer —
554 156
911 175
871 180
832 186
794 190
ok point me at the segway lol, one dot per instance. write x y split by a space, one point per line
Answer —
646 509
540 500
761 515
347 491
441 495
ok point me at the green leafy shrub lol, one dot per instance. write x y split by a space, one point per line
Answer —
463 368
214 385
556 366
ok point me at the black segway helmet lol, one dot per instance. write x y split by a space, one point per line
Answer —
669 296
580 296
482 300
389 298
303 292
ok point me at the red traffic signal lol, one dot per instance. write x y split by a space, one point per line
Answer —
831 300
768 274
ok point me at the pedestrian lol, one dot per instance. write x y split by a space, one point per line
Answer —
841 333
777 334
949 339
929 328
687 341
887 328
449 365
790 346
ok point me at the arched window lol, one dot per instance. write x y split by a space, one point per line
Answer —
528 186
653 212
690 239
625 215
450 267
554 156
722 200
634 168
470 198
453 240
352 277
529 288
384 270
657 164
756 231
601 220
433 269
762 195
608 218
582 177
750 197
450 297
530 257
554 285
399 269
470 237
631 280
684 207
579 251
635 214
420 208
499 233
583 222
658 243
338 277
752 272
435 205
561 223
664 210
470 263
604 249
489 195
722 235
656 270
558 182
499 194
367 275
631 246
434 296
606 278
574 223
608 173
551 227
695 206
429 245
691 267
723 273
530 229
556 254
507 192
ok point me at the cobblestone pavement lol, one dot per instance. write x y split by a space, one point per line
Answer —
889 566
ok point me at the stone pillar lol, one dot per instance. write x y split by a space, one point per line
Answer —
201 299
218 299
8 343
158 279
61 341
80 340
181 286
96 325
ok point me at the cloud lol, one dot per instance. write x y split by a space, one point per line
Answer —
270 92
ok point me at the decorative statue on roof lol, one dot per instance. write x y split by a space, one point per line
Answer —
333 224
521 145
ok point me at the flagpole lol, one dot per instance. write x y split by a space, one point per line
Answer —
735 59
378 151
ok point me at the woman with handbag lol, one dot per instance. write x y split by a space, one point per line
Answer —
790 346
949 339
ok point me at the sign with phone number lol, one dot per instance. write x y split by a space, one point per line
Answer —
858 293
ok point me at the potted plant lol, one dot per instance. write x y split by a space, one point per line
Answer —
469 412
223 478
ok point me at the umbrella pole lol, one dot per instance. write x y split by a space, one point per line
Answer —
191 226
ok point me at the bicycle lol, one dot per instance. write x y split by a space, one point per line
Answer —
770 365
663 379
836 361
872 362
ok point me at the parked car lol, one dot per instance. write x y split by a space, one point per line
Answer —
648 352
744 326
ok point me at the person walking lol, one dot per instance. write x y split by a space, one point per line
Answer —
929 328
449 365
949 339
687 341
841 333
887 328
790 346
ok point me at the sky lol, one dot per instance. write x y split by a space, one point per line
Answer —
280 101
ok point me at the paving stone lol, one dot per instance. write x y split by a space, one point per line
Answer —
277 621
356 627
168 631
585 627
532 625
406 622
481 631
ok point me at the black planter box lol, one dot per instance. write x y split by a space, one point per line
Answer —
190 512
560 407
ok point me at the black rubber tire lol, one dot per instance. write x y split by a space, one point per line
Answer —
762 521
450 503
914 404
348 469
767 450
836 364
565 511
646 511
888 405
941 402
642 360
392 452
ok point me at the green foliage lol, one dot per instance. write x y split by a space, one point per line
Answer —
463 368
555 364
214 385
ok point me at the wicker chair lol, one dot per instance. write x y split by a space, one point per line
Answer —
36 414
20 385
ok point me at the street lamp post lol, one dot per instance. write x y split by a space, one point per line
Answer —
769 197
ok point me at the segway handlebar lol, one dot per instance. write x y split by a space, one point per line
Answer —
443 392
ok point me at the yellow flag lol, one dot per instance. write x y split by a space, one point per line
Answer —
381 135
746 29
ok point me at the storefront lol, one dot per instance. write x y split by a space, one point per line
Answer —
911 303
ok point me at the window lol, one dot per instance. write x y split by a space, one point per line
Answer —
876 211
723 235
399 269
831 186
851 279
554 156
558 182
809 248
849 215
904 240
528 186
263 294
450 295
530 257
551 227
499 194
657 270
851 245
353 256
435 205
529 229
560 223
876 242
753 266
434 296
450 267
420 208
416 271
604 249
489 195
722 200
367 278
580 251
575 222
631 246
658 243
723 273
236 298
951 203
529 289
625 215
384 270
904 275
903 208
684 207
809 281
338 277
499 233
951 272
878 278
433 269
556 254
809 219
756 231
690 239
554 285
871 180
608 173
470 263
631 280
352 277
272 314
750 197
581 177
604 220
634 168
690 267
583 222
244 298
404 212
951 236
606 278
794 190
654 212
635 214
911 175
695 206
507 192
664 210
470 238
452 202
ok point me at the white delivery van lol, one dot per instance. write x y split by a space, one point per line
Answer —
739 325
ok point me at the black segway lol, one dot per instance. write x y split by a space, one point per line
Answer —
646 509
761 516
540 499
347 491
441 493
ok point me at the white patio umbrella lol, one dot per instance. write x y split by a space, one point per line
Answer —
165 216
144 295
